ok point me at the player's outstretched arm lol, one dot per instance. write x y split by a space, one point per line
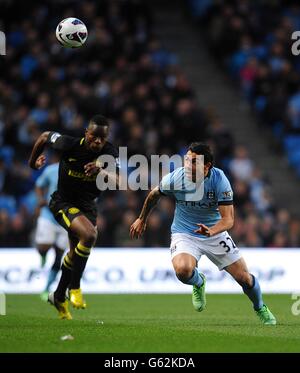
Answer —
225 223
139 226
37 159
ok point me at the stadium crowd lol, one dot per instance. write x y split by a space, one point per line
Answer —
124 73
253 39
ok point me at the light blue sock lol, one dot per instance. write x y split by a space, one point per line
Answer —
195 279
254 294
51 278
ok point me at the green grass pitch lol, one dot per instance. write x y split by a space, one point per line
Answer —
149 323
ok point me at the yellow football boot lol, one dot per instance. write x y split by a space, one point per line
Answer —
75 296
62 307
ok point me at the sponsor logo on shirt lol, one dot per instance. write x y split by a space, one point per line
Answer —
82 176
202 205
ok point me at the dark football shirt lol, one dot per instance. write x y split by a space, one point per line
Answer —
73 184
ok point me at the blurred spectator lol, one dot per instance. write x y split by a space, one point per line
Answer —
252 40
279 240
241 166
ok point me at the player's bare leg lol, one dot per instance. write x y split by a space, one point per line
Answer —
82 236
185 267
251 288
82 228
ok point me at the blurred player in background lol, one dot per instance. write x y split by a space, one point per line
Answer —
73 203
48 232
200 227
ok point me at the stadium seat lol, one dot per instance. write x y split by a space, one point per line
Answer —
291 142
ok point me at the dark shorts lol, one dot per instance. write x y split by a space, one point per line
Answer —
65 212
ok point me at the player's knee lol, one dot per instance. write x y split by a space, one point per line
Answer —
89 236
184 273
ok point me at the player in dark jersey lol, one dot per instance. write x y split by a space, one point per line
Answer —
73 204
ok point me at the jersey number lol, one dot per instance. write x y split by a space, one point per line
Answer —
224 244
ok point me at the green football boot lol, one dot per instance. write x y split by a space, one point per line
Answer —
266 316
198 295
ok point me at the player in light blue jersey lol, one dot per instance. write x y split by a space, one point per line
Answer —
49 233
204 212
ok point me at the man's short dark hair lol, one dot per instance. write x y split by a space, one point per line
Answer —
99 120
202 149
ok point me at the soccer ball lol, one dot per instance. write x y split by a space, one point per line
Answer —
71 33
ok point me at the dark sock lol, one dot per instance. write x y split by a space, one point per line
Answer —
65 278
80 258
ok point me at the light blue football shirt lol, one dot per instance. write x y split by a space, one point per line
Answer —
216 191
48 180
